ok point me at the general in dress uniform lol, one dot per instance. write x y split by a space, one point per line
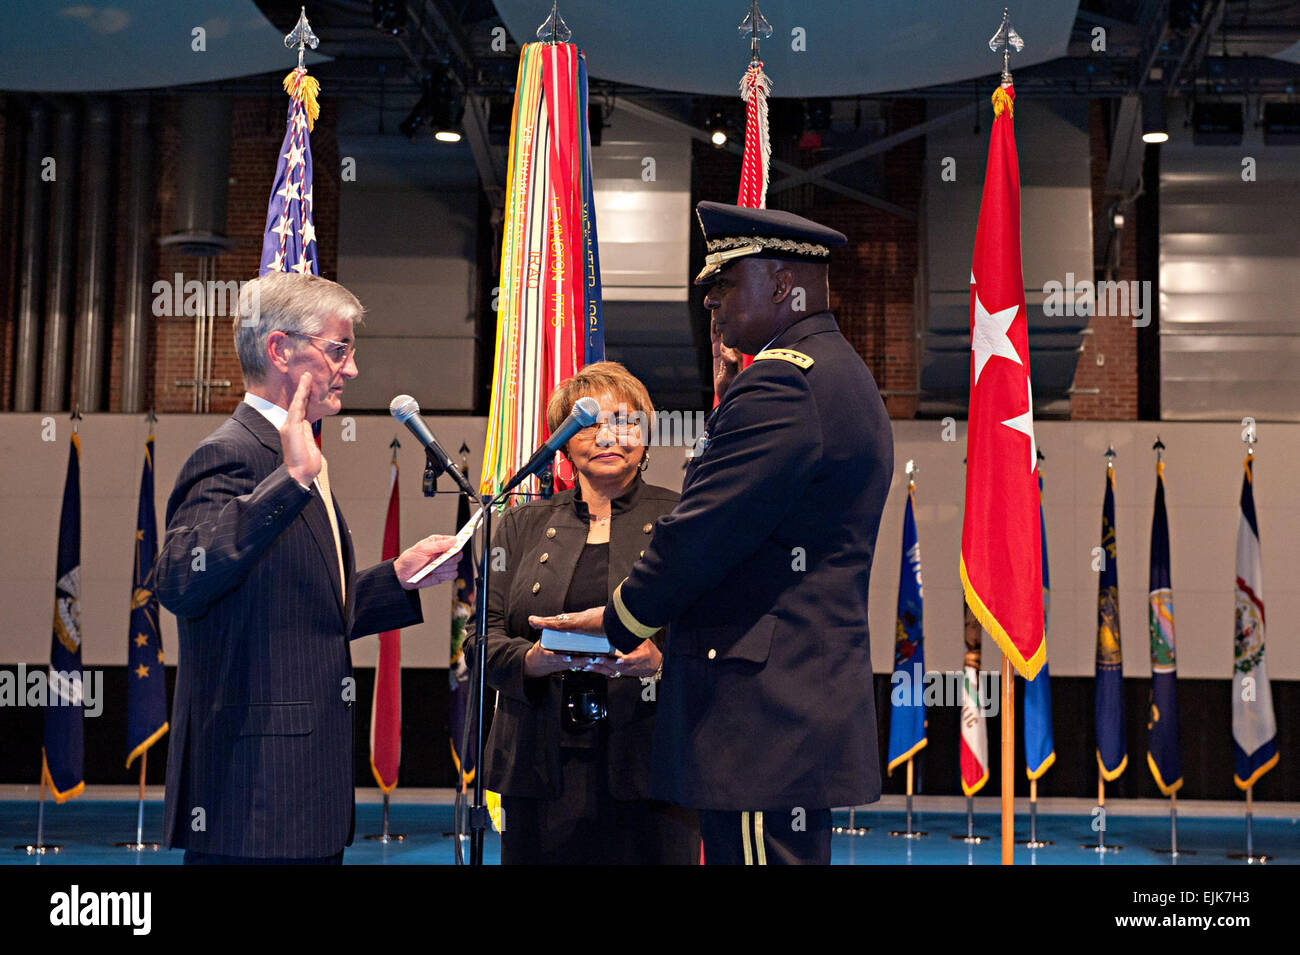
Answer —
760 573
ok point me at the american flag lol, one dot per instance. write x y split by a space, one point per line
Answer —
289 242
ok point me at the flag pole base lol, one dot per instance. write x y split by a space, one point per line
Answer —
970 840
39 850
385 838
1250 859
1100 850
1034 843
138 846
908 833
851 829
1173 853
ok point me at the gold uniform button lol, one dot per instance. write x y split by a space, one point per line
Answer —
536 587
713 654
550 533
647 529
544 558
642 554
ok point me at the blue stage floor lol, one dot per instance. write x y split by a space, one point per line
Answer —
87 829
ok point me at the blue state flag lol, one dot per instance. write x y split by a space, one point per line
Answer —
64 751
146 681
1040 747
1112 751
907 701
1163 754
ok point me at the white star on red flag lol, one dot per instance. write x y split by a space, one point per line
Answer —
989 337
1024 423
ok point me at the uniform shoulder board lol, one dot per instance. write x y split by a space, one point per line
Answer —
786 354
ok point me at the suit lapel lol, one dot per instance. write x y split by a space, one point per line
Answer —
314 513
319 523
349 561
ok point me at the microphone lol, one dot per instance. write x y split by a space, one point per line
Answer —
405 409
583 415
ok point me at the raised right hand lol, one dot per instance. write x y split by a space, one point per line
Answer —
297 444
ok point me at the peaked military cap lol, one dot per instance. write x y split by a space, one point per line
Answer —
731 232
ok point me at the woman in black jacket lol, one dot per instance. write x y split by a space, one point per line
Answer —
569 749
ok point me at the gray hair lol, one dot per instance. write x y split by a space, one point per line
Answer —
286 302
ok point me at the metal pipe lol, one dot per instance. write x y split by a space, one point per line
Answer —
61 292
139 248
96 227
31 267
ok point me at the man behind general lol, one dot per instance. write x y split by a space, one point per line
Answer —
257 565
766 717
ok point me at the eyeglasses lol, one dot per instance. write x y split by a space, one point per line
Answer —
339 354
619 425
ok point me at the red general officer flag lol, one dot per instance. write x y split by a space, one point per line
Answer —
386 708
1001 565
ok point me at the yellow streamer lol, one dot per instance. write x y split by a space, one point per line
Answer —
304 89
1002 101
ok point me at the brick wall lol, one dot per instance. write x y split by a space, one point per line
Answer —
1114 339
258 130
873 279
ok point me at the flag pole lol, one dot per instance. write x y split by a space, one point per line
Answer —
1173 825
1008 762
1007 39
1034 842
1159 449
909 832
1251 859
39 848
385 836
1250 816
140 845
1101 804
1101 776
139 807
1008 681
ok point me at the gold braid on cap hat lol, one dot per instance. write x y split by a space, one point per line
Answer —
783 245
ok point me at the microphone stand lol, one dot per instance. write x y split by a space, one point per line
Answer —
478 812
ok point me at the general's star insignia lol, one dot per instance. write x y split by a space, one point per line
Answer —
989 336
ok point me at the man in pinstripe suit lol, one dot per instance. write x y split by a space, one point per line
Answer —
257 565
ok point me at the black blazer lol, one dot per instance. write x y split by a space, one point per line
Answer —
260 758
541 543
761 574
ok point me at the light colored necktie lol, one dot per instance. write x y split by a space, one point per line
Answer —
323 485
